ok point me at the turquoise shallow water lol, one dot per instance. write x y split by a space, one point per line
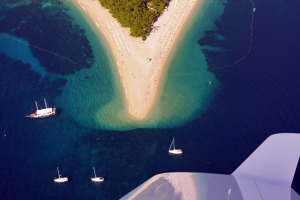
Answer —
189 86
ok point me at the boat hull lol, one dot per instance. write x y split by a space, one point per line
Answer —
176 151
97 179
42 115
61 180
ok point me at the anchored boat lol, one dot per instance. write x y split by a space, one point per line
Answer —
60 179
42 113
97 178
173 150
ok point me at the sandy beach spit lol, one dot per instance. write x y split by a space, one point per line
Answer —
141 64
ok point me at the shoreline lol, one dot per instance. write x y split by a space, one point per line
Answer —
141 65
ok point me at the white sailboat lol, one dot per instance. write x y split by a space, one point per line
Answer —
60 179
173 150
97 179
42 113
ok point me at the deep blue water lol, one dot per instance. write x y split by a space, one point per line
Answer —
257 97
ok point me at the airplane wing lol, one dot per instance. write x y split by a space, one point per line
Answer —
270 168
267 174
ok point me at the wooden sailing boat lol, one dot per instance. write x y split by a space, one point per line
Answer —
60 179
97 179
173 150
42 113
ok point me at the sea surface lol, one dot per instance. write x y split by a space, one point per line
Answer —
233 81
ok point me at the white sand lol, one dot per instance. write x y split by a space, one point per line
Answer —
140 77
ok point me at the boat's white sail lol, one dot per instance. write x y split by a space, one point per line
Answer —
173 149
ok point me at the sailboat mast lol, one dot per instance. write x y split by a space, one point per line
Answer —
174 143
58 172
94 172
36 105
45 103
171 144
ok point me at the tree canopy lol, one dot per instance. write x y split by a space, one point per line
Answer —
138 15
